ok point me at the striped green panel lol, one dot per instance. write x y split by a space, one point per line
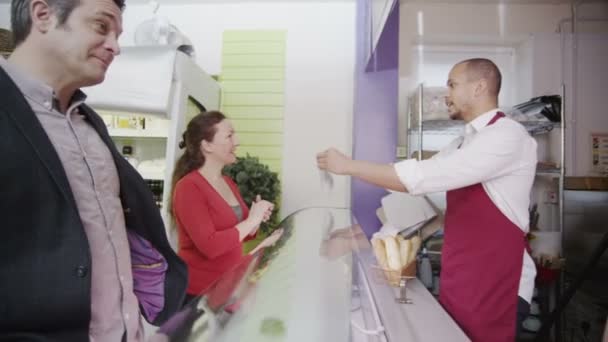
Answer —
260 139
251 73
258 112
253 48
255 35
243 60
275 165
249 99
246 125
270 152
253 86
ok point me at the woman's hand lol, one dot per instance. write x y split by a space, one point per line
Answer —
268 212
259 212
261 209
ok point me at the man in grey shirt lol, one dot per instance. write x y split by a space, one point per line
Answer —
85 250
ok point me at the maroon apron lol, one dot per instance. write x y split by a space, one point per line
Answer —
481 264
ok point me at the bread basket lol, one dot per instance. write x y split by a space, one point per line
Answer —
394 277
6 42
397 279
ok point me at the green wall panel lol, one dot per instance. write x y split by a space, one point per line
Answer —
253 87
262 152
253 99
255 35
273 164
251 73
244 60
254 48
257 112
260 139
247 125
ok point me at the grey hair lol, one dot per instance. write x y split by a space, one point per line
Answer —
21 19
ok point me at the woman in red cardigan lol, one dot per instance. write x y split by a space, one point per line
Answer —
212 218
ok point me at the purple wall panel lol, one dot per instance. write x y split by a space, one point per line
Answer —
386 55
375 112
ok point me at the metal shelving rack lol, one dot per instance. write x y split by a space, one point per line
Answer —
560 174
432 127
561 185
454 127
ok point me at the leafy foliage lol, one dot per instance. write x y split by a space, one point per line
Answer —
253 178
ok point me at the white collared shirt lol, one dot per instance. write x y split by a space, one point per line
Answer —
502 157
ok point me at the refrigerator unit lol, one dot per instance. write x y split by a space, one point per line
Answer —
147 98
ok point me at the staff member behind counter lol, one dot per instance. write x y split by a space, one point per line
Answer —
487 275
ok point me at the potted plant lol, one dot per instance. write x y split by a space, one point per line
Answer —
254 178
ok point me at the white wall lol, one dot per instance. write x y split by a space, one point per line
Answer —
587 95
320 60
456 25
487 24
501 25
320 57
431 65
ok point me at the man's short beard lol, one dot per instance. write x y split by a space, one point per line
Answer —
456 115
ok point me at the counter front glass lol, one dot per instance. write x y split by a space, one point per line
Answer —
317 283
299 289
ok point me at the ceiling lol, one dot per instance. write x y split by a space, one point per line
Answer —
174 2
500 1
167 2
170 2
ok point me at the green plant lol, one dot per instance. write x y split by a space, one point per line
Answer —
254 178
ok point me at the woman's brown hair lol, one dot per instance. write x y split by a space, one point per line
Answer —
201 127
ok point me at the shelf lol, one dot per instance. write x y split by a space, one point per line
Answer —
447 127
539 127
453 127
137 133
152 175
552 172
586 183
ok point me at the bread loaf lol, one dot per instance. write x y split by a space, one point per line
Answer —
392 253
395 253
380 252
404 250
415 247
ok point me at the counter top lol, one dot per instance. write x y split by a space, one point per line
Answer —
423 320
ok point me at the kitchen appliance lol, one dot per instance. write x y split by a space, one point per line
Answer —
165 87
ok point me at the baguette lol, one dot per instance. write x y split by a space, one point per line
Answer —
392 253
405 248
416 242
380 252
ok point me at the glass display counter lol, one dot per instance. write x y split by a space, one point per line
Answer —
315 284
